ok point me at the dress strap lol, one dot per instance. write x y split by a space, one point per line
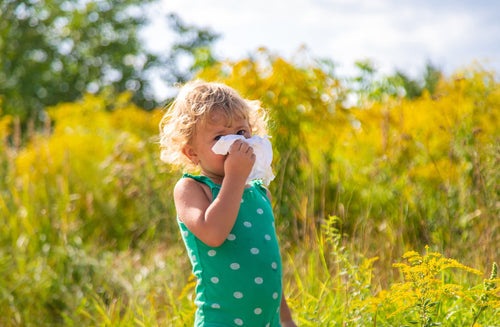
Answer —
205 180
259 185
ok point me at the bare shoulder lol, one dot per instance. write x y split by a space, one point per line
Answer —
185 185
191 199
268 193
188 188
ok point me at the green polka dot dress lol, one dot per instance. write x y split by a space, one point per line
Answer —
239 282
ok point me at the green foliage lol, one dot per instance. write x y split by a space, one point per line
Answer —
88 232
370 87
81 205
191 43
330 285
56 51
413 171
306 112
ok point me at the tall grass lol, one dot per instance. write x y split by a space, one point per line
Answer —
400 173
332 286
88 233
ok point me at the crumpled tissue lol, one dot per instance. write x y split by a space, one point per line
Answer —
261 148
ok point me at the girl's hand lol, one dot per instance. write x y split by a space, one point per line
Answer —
240 159
288 323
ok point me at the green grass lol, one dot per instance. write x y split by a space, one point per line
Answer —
326 285
88 235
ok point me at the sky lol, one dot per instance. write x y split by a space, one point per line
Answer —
394 34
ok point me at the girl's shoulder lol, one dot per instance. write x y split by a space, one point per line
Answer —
259 185
187 188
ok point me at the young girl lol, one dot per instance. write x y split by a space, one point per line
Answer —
227 225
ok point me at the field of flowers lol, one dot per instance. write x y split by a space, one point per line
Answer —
388 212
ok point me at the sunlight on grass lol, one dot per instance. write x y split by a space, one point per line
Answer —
88 235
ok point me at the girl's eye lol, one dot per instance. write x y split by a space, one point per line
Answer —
217 137
241 132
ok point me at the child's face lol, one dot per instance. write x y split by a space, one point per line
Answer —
199 151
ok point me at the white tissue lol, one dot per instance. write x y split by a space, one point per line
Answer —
263 155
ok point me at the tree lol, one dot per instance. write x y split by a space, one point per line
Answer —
192 43
414 88
56 50
379 88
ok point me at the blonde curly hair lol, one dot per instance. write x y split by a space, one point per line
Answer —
194 105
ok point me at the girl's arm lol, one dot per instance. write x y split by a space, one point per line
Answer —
285 314
212 221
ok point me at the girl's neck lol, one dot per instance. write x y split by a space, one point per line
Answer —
214 178
218 179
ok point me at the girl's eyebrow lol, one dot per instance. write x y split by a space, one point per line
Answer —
218 131
224 130
243 125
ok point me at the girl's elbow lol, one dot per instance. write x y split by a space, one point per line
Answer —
214 243
214 235
215 240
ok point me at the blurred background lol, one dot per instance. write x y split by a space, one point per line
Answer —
386 138
393 35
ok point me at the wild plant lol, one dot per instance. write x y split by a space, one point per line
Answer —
423 297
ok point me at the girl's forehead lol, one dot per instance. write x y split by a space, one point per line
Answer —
216 116
212 120
224 118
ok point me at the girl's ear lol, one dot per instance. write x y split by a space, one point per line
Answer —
189 152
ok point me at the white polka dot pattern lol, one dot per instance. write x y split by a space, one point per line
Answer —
240 280
254 251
